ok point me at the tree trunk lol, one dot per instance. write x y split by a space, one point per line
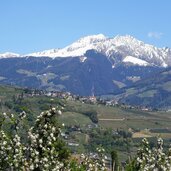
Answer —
113 166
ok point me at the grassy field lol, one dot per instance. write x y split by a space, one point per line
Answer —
72 118
121 118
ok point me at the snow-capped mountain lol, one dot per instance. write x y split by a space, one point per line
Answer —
116 49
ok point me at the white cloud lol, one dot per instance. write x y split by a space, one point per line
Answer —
156 35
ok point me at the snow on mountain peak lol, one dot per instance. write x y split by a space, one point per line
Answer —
93 38
77 48
135 61
130 46
88 41
126 40
47 53
9 55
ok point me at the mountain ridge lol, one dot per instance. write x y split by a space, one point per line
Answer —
115 49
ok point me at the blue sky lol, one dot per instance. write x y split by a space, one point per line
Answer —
34 25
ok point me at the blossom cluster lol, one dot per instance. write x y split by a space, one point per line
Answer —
96 162
89 162
152 159
12 151
45 143
42 150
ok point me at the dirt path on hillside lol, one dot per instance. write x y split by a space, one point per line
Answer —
118 119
